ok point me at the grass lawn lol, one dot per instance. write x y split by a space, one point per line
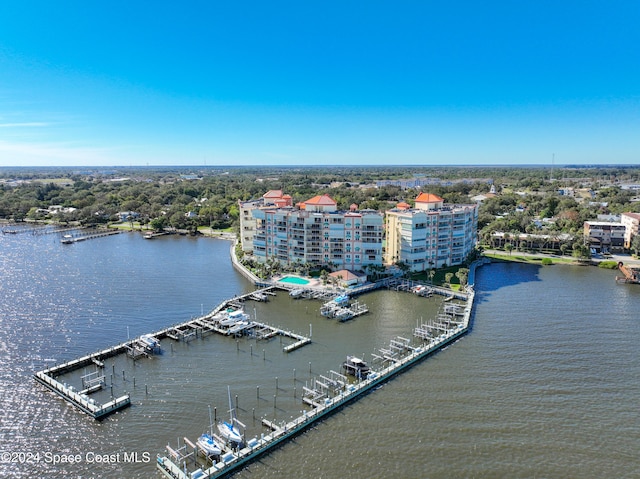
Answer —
529 259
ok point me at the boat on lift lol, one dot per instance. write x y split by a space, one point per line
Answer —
356 367
234 317
207 443
149 342
230 430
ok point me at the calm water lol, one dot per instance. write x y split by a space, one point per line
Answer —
545 385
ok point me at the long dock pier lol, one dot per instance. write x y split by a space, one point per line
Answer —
136 349
70 239
323 406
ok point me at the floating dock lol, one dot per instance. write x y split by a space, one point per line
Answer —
327 395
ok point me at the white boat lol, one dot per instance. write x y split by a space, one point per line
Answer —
240 326
296 293
344 314
230 430
149 342
207 443
234 317
259 297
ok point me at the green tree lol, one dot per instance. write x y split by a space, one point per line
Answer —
463 275
635 245
447 278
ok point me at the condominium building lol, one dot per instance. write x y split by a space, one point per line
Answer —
271 199
315 233
631 221
430 235
604 236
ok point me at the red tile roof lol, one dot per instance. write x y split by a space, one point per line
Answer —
273 194
428 198
321 200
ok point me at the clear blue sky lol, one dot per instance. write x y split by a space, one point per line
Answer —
319 83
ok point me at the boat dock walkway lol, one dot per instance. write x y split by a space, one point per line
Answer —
326 395
137 349
69 239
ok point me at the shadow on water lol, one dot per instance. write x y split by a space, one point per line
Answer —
494 276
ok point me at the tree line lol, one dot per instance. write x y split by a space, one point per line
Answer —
190 197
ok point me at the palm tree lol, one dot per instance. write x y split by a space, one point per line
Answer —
447 278
462 274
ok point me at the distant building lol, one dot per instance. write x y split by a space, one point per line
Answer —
604 236
128 215
430 235
631 221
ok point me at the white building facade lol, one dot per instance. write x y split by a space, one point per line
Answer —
431 235
318 234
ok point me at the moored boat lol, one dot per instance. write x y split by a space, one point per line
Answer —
234 317
296 293
208 444
149 342
230 430
356 367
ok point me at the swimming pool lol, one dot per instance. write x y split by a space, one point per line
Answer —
293 280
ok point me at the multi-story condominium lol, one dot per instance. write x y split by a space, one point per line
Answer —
431 235
270 199
631 221
316 233
604 236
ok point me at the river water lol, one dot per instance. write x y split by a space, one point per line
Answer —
545 385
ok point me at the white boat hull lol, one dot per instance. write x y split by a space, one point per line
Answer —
208 445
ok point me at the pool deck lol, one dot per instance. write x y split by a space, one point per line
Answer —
308 282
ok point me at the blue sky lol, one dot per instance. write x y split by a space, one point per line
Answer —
319 83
